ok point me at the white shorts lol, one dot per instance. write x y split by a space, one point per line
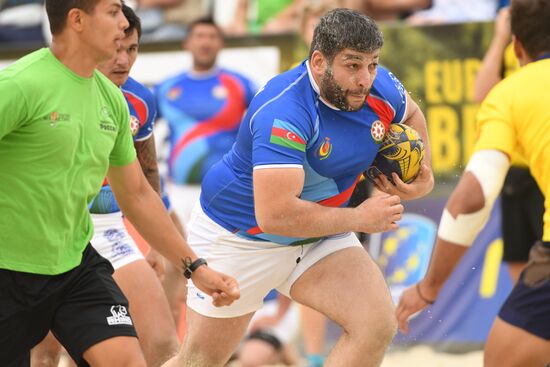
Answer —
183 199
287 329
112 241
258 266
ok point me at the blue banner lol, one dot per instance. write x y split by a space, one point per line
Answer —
471 298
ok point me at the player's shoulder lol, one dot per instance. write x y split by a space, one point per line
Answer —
25 70
172 80
136 88
234 73
290 95
386 81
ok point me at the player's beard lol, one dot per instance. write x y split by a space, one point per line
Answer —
336 95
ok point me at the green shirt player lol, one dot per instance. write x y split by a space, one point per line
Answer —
63 127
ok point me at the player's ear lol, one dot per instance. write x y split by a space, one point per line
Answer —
75 19
520 52
318 62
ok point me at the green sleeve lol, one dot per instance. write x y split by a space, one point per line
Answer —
13 106
123 152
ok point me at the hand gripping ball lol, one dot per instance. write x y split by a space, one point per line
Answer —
401 151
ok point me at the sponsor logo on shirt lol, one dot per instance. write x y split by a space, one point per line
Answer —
119 316
106 120
55 117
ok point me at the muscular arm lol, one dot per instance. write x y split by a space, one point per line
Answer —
490 72
468 209
415 119
147 157
466 198
279 209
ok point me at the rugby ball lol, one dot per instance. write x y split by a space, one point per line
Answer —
401 151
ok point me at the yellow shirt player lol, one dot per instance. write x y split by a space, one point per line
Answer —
521 201
514 116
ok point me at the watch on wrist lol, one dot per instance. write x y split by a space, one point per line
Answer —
191 266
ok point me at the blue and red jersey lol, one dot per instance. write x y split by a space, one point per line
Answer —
141 104
289 125
203 112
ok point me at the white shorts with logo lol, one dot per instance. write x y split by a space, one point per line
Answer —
112 241
257 266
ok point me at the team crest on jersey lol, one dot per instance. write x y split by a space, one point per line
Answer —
134 125
174 93
325 149
219 92
377 131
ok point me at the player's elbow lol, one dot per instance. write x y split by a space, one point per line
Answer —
272 222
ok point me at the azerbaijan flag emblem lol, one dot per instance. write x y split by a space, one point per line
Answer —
287 135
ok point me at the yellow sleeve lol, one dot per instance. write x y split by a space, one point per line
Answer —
495 129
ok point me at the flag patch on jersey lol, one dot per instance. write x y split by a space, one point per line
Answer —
287 135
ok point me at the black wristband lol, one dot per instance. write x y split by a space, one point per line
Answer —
191 267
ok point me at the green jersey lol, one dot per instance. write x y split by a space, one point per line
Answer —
59 133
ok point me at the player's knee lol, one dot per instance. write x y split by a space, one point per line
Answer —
381 327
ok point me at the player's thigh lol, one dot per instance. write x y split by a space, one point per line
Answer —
117 351
348 287
148 304
46 353
93 309
212 338
510 346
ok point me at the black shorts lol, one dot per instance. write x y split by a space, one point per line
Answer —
522 211
528 307
82 307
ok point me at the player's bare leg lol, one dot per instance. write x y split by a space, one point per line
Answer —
46 353
118 351
348 287
150 311
209 342
314 326
510 346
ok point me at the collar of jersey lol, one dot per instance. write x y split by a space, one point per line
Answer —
203 74
317 90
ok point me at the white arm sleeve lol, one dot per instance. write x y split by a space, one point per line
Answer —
489 167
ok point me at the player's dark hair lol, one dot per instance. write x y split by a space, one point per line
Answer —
133 21
58 10
530 21
203 21
344 28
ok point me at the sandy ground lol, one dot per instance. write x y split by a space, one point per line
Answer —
423 356
420 356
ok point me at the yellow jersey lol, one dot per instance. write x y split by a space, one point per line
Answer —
515 115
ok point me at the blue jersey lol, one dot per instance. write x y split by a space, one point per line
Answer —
289 125
203 114
141 104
